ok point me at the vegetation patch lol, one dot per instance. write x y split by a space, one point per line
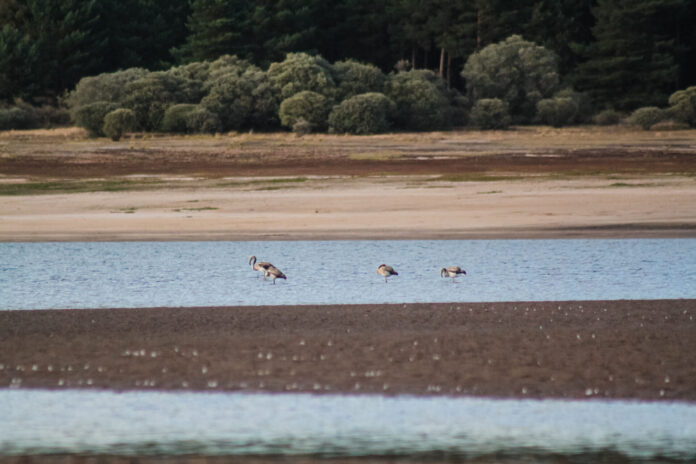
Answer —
70 186
473 178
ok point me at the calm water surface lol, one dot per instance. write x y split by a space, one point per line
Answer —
36 421
143 274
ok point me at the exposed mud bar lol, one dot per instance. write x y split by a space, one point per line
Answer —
582 349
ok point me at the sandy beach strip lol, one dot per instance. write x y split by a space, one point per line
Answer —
635 349
363 209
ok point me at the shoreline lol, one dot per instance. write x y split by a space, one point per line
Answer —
621 349
616 231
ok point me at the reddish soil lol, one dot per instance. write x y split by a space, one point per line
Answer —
279 162
590 349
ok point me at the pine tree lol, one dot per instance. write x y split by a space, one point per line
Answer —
216 27
69 41
632 63
18 61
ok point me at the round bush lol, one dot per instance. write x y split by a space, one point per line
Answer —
302 127
118 122
369 113
16 118
607 117
490 113
646 117
200 120
557 112
109 87
421 104
91 116
353 78
516 71
310 106
150 96
242 100
298 72
682 106
174 119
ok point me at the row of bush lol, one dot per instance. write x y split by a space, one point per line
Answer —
512 82
303 93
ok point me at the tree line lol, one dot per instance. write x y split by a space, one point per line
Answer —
622 53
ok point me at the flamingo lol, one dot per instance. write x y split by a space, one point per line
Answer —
274 273
386 271
452 271
261 266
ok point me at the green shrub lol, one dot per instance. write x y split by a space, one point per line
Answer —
91 116
174 119
490 113
646 117
302 127
421 104
200 120
298 72
150 96
516 71
607 117
310 106
583 103
14 118
108 87
368 113
118 122
682 106
242 100
353 78
557 111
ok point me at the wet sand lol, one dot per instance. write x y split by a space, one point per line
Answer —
585 349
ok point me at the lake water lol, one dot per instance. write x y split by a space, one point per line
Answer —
144 274
152 423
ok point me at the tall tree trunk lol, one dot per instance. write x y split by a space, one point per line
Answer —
449 71
442 63
478 29
413 57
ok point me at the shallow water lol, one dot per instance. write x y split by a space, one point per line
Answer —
36 421
144 274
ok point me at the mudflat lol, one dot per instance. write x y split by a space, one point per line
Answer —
577 349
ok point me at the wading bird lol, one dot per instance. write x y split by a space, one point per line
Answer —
451 271
274 273
261 266
386 271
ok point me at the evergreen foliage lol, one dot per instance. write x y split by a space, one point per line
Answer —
241 98
300 71
151 95
490 113
420 102
515 71
353 78
200 120
607 117
91 116
632 62
646 117
118 122
311 106
15 117
368 113
682 106
108 87
557 111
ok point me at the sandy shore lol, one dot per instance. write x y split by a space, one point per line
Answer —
394 208
589 349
